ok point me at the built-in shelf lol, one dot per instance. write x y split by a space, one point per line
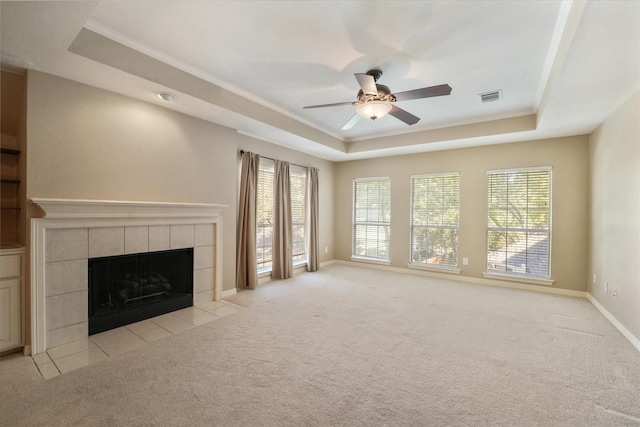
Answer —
9 248
9 181
10 151
10 203
13 219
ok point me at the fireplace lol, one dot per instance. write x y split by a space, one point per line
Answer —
73 232
129 288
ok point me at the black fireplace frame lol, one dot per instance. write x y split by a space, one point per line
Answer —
155 307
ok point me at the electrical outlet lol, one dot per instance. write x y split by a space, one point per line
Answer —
606 287
465 261
614 293
594 279
326 249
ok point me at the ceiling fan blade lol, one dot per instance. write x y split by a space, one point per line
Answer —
403 115
352 121
425 92
367 83
329 105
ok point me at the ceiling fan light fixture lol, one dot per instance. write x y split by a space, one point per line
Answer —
374 109
375 100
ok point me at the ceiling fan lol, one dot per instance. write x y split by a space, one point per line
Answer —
375 100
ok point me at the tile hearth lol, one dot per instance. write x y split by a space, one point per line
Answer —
98 347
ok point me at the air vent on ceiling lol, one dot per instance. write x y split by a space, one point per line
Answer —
495 95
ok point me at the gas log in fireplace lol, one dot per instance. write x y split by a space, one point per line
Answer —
129 288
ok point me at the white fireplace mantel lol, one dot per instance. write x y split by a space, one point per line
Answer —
94 209
75 213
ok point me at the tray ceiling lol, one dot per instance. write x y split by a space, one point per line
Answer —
562 67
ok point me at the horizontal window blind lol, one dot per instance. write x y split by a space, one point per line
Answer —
519 221
435 212
371 217
297 184
264 219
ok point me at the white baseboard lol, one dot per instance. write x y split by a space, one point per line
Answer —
615 322
300 269
476 280
229 293
327 263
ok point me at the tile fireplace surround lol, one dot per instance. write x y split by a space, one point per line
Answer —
72 231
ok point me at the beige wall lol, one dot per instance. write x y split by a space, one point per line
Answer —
614 249
569 158
87 143
325 184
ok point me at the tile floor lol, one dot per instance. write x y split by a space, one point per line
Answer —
95 348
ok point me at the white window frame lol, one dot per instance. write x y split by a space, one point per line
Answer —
355 223
265 165
300 171
425 265
515 275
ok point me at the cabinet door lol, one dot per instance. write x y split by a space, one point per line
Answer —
9 314
9 266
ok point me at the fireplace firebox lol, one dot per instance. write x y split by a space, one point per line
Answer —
129 288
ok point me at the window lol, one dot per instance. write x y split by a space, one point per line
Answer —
434 220
265 206
371 218
519 221
264 215
297 184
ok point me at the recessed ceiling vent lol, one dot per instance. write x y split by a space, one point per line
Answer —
496 95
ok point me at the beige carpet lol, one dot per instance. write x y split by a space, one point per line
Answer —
355 347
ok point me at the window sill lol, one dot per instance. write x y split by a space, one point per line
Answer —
370 260
446 270
518 278
299 264
264 273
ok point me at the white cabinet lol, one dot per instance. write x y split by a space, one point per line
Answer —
10 285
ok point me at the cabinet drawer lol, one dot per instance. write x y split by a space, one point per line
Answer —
9 266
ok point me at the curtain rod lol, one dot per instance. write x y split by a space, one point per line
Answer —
270 158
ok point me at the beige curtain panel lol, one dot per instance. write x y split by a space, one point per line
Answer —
246 266
312 240
282 265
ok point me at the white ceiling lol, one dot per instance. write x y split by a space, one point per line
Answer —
563 67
